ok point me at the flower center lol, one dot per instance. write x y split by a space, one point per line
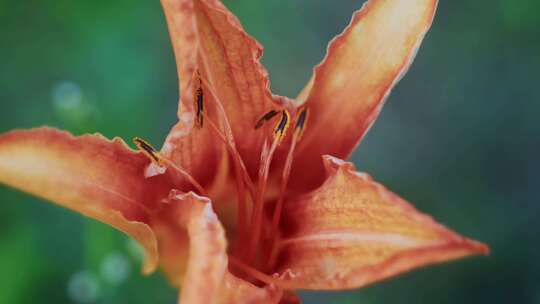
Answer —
247 256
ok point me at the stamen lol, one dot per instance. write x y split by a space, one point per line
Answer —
162 161
148 150
242 177
260 276
240 186
198 99
281 129
229 137
266 159
266 117
254 273
301 121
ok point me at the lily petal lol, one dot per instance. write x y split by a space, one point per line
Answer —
96 177
208 37
352 231
207 248
238 291
197 151
207 279
191 148
349 87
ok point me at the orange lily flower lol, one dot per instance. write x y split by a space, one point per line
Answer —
248 198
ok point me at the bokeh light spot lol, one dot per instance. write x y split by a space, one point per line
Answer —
135 250
67 95
83 287
115 268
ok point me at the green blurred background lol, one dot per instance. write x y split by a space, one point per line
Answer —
459 137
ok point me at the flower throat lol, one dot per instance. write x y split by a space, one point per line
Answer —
250 261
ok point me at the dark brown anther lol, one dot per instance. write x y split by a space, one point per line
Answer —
283 125
301 121
200 107
266 117
198 100
148 150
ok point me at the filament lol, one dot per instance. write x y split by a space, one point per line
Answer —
162 161
301 121
266 159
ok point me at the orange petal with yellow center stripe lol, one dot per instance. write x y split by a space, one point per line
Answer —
96 177
352 231
186 145
207 263
349 87
207 279
238 291
207 37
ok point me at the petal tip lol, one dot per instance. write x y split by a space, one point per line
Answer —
176 195
332 164
149 267
478 248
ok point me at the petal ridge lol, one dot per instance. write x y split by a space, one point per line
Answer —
99 178
207 37
352 231
351 84
207 278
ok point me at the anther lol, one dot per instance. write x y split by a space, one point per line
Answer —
162 161
266 159
301 121
281 128
148 150
198 100
299 127
266 117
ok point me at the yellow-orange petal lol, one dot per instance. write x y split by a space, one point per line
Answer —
96 177
207 279
208 37
182 31
352 231
349 87
238 291
290 297
207 262
197 151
